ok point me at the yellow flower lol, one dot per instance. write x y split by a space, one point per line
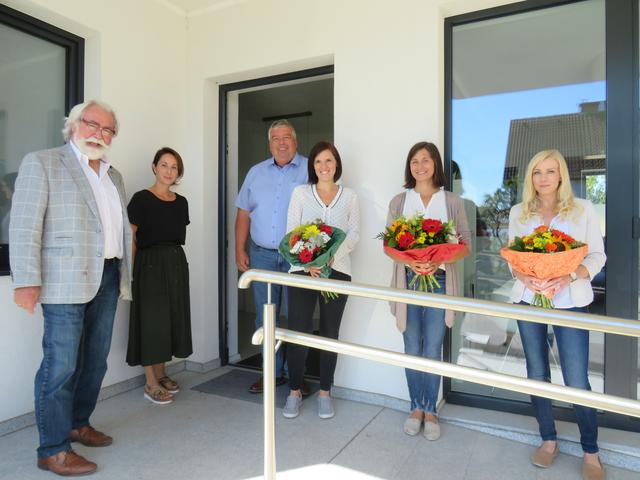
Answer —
432 234
421 238
310 231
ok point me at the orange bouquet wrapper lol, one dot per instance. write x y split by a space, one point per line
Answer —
545 265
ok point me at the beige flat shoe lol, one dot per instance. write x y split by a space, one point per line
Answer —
593 472
412 426
431 427
543 459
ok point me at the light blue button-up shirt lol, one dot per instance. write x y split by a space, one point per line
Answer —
265 194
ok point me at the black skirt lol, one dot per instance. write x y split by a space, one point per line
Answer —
160 319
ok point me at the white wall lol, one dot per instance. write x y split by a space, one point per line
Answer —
160 70
135 60
388 94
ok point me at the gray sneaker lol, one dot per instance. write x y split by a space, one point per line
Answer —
292 407
325 407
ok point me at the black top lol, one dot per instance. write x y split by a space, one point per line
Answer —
158 221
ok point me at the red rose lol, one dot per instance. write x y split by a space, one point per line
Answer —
305 255
326 229
405 240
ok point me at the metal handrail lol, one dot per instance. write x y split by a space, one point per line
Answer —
268 334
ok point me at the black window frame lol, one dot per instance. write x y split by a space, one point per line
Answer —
74 70
622 214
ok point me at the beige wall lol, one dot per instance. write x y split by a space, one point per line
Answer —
160 70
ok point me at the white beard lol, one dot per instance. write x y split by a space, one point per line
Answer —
94 153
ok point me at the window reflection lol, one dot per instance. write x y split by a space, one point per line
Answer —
517 92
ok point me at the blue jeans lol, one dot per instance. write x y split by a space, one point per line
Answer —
267 259
423 337
573 348
75 346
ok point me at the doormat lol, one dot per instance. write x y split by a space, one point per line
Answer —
235 384
311 369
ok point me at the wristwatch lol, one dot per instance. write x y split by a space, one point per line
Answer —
573 276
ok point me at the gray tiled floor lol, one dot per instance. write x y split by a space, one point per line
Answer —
203 436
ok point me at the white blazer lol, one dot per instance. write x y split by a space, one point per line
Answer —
583 226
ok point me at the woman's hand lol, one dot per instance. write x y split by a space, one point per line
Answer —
422 268
314 271
532 283
557 284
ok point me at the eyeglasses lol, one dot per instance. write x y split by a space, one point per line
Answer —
284 138
94 127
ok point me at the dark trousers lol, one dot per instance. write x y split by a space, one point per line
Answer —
302 303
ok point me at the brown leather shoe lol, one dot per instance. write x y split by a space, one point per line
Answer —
258 386
90 437
67 464
543 459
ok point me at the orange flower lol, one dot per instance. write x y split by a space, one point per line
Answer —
551 247
541 229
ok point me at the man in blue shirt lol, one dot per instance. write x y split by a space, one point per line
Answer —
262 205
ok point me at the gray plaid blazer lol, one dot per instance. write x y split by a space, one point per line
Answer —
55 232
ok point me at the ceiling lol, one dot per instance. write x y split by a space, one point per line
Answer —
550 47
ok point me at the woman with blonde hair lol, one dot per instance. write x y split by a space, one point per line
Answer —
548 200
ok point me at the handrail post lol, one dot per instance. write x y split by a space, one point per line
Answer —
269 382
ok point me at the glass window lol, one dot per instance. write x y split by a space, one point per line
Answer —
36 86
521 84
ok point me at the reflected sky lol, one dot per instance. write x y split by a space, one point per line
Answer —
481 128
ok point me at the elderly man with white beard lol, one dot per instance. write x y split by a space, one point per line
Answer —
70 251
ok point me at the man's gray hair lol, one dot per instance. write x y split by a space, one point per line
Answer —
281 123
76 113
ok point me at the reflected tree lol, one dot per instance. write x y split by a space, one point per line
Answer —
495 209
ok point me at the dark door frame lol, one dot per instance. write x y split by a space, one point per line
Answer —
622 201
223 90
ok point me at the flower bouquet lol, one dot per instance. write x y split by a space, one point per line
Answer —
312 245
546 253
424 240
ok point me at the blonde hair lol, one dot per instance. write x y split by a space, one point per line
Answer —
566 201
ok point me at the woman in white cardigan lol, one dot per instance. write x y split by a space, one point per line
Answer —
548 200
322 198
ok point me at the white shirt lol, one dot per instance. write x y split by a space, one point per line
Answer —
108 200
306 206
584 227
435 210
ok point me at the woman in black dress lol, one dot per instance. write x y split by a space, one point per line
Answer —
160 320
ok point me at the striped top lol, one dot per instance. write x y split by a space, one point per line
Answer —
343 212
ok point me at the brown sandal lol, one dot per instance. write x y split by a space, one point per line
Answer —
157 395
169 384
